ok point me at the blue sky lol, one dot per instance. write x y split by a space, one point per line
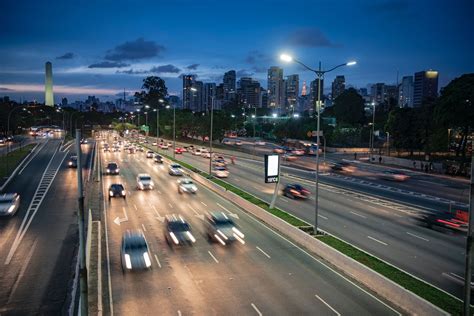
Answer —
102 48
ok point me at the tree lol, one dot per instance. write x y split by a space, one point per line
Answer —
153 89
402 124
349 108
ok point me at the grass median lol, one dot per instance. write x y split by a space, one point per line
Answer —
8 162
435 296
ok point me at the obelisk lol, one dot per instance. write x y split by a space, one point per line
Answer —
48 85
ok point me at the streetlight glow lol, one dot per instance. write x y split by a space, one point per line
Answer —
351 63
274 115
286 57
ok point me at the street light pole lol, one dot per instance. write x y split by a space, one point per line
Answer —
372 134
174 130
320 75
210 135
469 244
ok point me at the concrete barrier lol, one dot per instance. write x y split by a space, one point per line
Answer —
377 283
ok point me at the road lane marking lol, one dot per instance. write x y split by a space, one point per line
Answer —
23 269
203 203
143 226
179 313
194 210
256 309
381 242
416 236
329 306
135 206
210 253
357 214
264 252
34 155
159 192
324 217
157 261
285 200
170 205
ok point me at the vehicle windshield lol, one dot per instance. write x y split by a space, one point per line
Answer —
145 178
117 187
112 166
135 244
175 166
178 226
224 222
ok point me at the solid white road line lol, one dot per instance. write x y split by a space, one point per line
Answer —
194 210
381 242
157 261
135 206
357 214
324 217
210 253
256 309
416 236
143 226
330 307
171 206
263 252
23 269
32 157
203 203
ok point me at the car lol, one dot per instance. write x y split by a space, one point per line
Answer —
84 141
278 150
289 157
134 252
112 168
116 149
221 228
206 154
343 167
3 141
294 191
149 154
163 146
218 162
297 152
394 175
131 150
186 185
144 182
175 170
170 144
220 172
197 152
9 204
140 148
260 143
178 231
106 149
178 150
72 163
117 190
238 143
154 143
158 159
445 220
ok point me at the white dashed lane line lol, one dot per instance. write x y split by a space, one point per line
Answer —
416 236
380 242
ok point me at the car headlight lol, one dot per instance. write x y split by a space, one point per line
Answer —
140 185
173 236
117 170
11 208
147 259
123 192
128 262
111 193
70 163
108 170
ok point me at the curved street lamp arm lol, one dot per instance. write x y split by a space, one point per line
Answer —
299 62
334 68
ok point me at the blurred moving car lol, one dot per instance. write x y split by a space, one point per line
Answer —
117 190
175 170
144 182
297 152
296 191
343 167
260 143
116 149
394 175
444 220
278 150
163 146
158 159
197 152
206 154
149 154
134 251
131 150
178 231
72 163
9 204
186 185
219 162
178 150
112 168
140 148
238 143
84 141
221 228
220 172
289 157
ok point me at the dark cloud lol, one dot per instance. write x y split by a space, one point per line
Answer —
66 56
135 50
165 69
308 37
109 64
257 57
6 89
192 67
243 73
133 72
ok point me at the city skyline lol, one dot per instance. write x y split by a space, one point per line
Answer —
109 56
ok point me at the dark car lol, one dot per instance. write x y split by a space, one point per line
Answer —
117 190
158 159
221 228
134 252
343 167
296 191
394 175
178 231
444 220
112 168
72 163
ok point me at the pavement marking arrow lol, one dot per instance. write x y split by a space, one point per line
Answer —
230 213
158 216
118 220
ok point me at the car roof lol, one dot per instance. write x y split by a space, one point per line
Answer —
143 175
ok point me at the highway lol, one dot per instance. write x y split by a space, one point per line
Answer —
386 230
38 245
266 276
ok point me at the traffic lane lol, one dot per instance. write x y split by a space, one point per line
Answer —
270 298
406 240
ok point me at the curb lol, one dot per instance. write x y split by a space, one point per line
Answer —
13 174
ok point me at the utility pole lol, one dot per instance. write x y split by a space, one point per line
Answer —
468 269
210 136
82 243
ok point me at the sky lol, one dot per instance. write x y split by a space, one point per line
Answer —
103 47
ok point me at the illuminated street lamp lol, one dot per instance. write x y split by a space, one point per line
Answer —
320 76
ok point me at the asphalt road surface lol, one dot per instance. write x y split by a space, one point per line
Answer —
268 275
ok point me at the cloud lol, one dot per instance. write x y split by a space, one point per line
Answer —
243 73
135 50
62 89
257 57
258 69
165 69
308 37
6 89
109 64
132 71
66 56
192 67
120 94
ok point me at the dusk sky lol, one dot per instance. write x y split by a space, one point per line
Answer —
102 47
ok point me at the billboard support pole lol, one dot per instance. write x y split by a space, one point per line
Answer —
275 193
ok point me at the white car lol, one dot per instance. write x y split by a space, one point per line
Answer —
9 204
144 182
150 154
175 170
186 185
220 172
260 143
206 155
197 152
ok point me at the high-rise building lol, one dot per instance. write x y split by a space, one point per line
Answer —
276 87
425 87
174 101
338 86
263 97
292 90
314 91
64 102
363 92
229 85
249 92
391 92
188 93
48 86
378 92
405 92
303 90
198 96
209 97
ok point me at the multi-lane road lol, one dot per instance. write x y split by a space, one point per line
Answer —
38 245
266 275
385 229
